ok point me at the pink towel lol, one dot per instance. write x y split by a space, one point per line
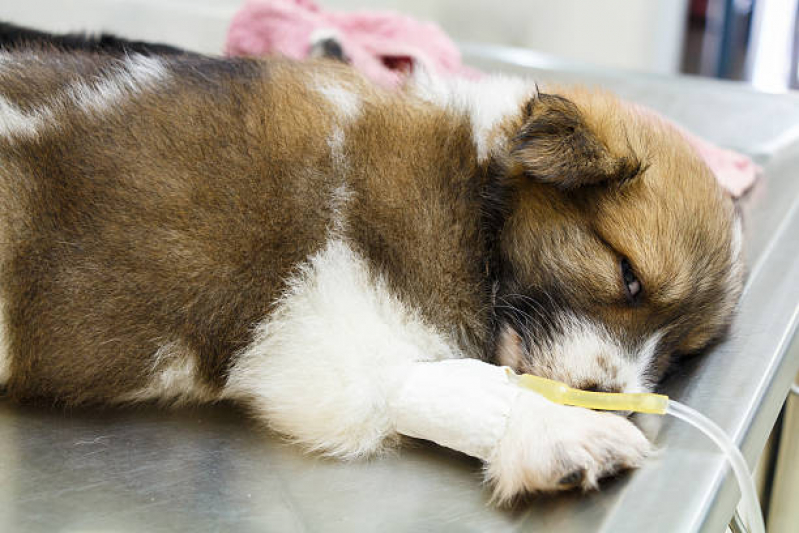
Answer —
385 46
736 172
380 44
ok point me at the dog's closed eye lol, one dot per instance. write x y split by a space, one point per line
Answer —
632 285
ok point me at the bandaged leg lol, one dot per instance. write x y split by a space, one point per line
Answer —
463 404
529 444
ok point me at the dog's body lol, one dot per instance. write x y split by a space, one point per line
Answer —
337 257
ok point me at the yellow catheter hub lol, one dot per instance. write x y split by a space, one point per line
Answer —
558 392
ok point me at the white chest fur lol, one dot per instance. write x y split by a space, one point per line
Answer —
324 364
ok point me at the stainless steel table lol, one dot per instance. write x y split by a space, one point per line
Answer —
211 469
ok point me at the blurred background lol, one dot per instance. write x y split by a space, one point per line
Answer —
750 40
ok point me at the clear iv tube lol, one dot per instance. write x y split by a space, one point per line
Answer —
752 515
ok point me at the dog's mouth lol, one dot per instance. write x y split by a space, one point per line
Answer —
582 355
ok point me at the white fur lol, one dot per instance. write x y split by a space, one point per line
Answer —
575 357
339 199
342 194
136 74
345 102
336 142
545 443
737 238
324 364
487 102
642 380
5 362
174 379
16 123
736 256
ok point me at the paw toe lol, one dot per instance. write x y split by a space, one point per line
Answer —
572 479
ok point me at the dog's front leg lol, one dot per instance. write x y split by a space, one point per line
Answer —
323 366
528 443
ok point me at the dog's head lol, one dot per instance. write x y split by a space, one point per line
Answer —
617 250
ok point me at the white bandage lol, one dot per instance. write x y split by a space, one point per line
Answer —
462 404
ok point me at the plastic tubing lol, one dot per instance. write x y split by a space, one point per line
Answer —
558 392
752 516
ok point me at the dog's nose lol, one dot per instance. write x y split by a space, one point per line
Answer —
596 387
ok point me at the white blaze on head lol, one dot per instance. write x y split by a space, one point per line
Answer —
583 354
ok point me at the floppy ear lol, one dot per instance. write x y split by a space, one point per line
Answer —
556 146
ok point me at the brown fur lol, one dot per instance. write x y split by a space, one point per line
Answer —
178 216
168 220
650 199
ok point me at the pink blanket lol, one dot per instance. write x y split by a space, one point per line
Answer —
385 46
378 43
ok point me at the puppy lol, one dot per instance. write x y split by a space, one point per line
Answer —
348 262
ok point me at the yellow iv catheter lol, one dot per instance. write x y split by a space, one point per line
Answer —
558 392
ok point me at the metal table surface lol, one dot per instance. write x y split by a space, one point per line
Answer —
212 469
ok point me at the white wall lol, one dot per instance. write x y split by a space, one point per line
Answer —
199 25
636 34
643 35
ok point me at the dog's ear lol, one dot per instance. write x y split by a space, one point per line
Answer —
556 146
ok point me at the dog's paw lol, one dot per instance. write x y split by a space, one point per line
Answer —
548 447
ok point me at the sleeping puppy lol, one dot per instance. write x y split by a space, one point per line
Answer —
348 262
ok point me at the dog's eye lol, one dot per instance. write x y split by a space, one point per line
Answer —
631 284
